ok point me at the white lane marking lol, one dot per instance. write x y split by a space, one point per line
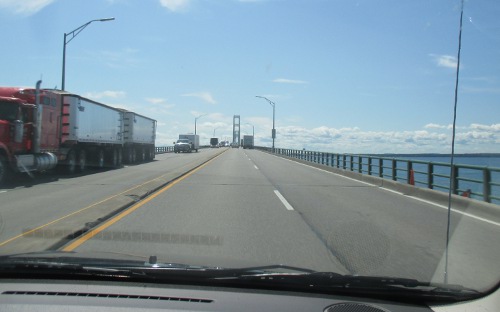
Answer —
256 167
323 170
283 200
444 207
396 192
3 191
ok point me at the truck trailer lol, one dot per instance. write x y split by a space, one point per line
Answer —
41 129
247 141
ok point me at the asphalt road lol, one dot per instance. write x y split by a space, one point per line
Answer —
246 207
69 202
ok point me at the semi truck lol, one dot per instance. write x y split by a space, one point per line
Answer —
187 143
214 142
247 141
41 129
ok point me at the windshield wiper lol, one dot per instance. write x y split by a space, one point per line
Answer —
273 277
355 285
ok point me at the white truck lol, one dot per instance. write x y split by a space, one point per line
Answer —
187 143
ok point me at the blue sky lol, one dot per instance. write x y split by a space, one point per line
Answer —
346 76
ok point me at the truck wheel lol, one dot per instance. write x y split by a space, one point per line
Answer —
71 162
100 158
113 158
142 154
4 170
82 160
120 157
133 154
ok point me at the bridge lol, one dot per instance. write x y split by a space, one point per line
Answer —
257 207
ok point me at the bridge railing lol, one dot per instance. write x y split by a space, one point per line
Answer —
164 149
479 182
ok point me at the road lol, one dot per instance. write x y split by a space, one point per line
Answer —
246 207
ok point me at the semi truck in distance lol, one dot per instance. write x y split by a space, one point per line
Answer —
214 142
41 129
187 143
247 141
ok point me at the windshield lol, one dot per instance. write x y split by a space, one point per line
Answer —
337 121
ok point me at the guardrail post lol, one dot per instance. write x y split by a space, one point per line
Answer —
394 168
351 160
343 161
360 164
430 175
369 166
380 168
409 168
454 181
486 185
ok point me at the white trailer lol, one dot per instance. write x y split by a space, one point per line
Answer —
91 132
139 134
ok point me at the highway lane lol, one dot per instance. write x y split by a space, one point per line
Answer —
229 212
378 232
28 204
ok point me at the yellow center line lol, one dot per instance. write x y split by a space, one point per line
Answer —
82 209
79 241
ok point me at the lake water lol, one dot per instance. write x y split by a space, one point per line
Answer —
441 171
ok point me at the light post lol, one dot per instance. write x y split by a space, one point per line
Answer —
195 119
73 34
274 108
214 132
253 129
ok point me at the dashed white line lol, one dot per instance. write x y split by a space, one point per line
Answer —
283 200
256 167
3 191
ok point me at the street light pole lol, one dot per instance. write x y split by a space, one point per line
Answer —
253 129
274 111
195 119
73 34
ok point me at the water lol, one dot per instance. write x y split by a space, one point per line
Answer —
474 174
441 171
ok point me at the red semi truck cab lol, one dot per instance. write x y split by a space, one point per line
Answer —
28 136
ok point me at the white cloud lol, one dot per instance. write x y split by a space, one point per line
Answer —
155 100
291 81
494 127
447 61
436 126
205 96
472 138
24 7
175 5
105 94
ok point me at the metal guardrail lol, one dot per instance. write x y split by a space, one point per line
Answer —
479 182
164 149
170 149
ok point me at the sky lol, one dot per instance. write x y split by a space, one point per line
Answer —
345 76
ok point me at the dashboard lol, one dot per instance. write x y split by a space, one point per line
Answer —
43 295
